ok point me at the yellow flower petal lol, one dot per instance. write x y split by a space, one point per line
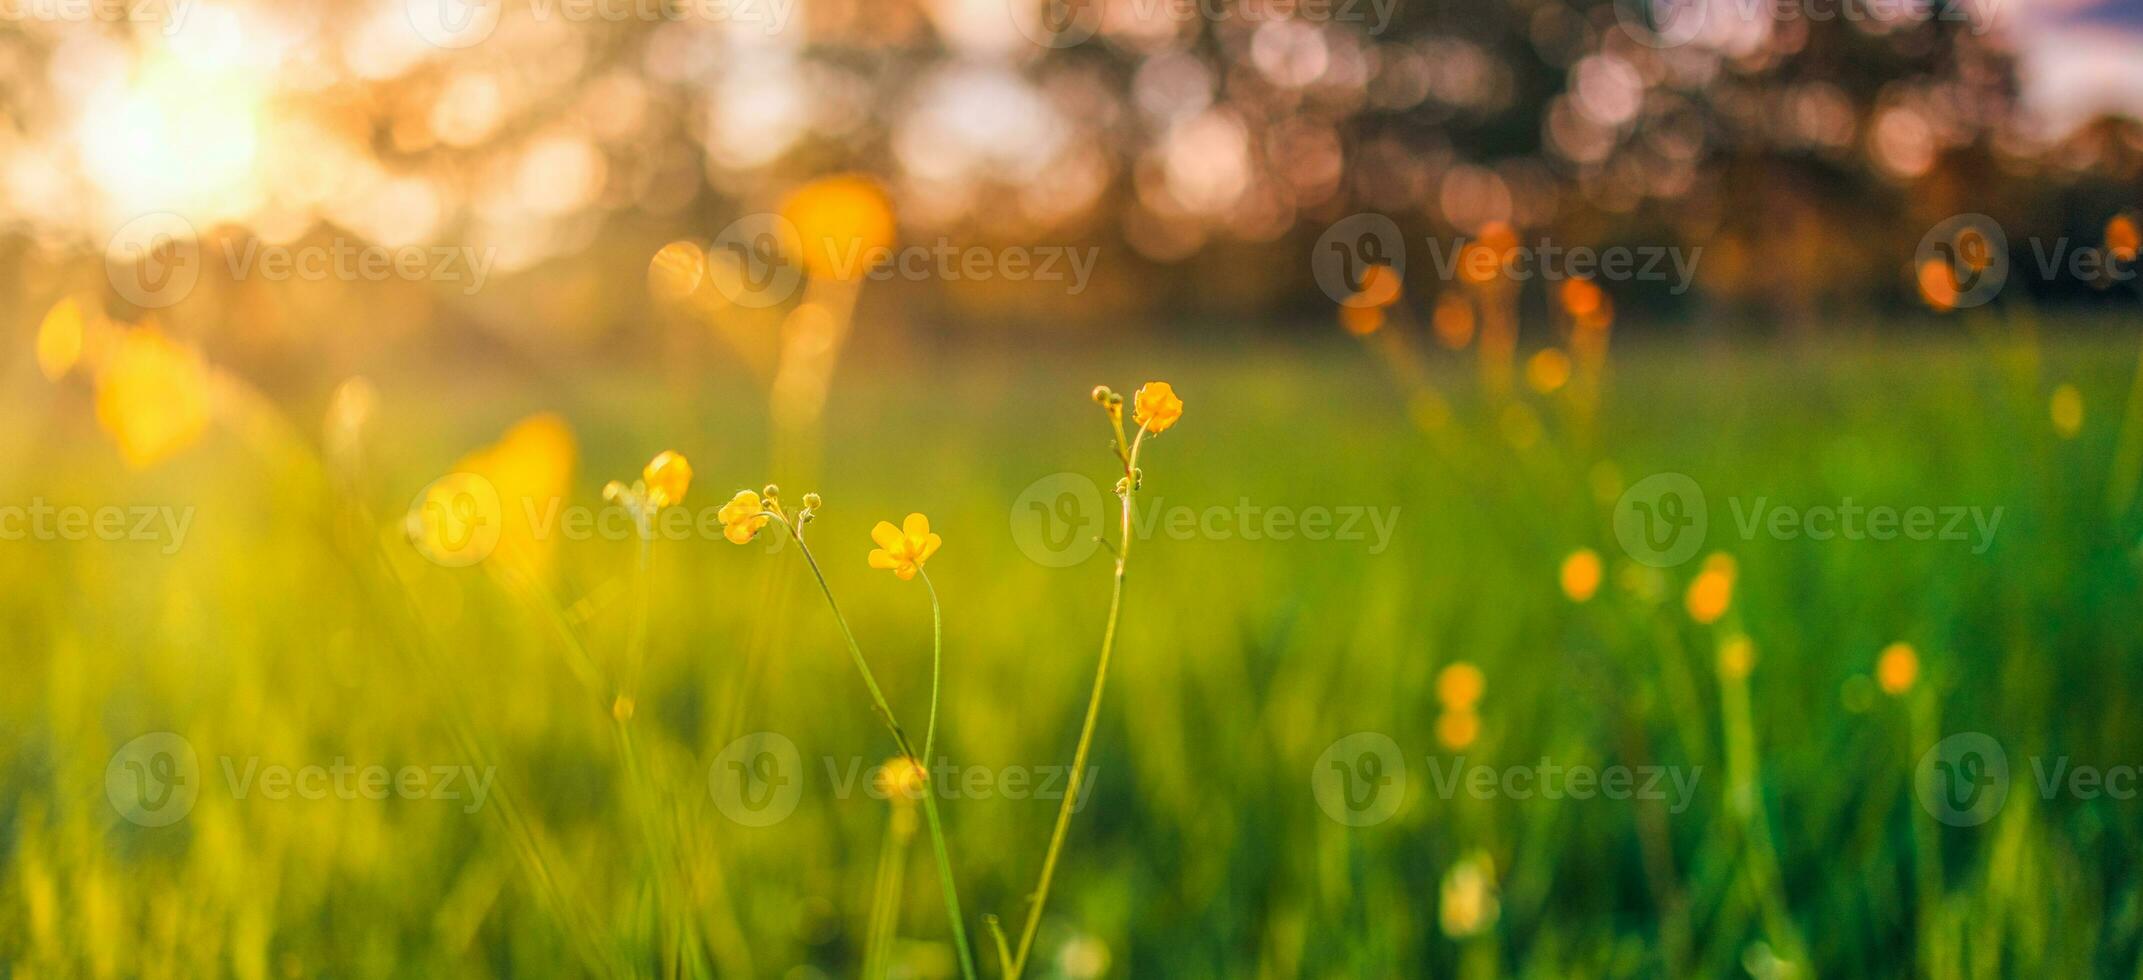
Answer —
930 547
915 529
887 536
880 558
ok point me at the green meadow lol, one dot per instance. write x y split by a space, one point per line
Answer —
406 768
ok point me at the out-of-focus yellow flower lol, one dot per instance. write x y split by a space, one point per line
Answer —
904 549
668 475
1938 285
742 517
1460 685
1581 298
622 707
59 339
1737 656
2123 239
1712 590
1156 407
1453 320
1456 729
1547 370
1380 288
1361 321
2066 409
514 482
152 396
901 779
1897 668
839 221
1581 574
1468 903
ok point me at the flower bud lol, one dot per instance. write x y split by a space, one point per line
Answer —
812 501
770 492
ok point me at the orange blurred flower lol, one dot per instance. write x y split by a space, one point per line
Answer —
1456 729
2123 238
1547 370
1897 668
1712 590
1581 574
1460 686
839 221
1453 320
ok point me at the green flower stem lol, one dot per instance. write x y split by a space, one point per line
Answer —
1093 712
900 738
937 661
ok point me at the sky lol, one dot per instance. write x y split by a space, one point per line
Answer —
2079 58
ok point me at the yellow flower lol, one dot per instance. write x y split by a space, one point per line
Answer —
1156 407
741 517
486 505
904 549
1468 905
838 219
59 339
1581 575
1737 656
1897 668
1712 590
152 396
901 779
1457 728
667 476
2066 408
1460 685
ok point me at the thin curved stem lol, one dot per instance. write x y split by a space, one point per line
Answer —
900 739
937 664
1093 713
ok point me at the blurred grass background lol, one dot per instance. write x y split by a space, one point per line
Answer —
297 625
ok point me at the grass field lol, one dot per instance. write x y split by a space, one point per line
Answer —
295 626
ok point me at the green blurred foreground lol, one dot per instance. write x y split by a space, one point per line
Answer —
401 768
